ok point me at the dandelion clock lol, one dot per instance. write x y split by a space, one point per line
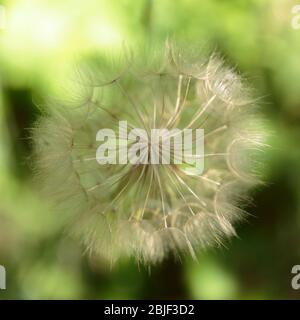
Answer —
153 155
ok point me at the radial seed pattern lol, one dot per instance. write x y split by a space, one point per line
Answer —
149 210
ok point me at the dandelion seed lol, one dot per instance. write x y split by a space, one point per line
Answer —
146 210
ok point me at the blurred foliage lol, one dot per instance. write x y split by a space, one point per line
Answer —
40 41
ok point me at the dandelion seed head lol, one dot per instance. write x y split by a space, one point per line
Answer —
144 210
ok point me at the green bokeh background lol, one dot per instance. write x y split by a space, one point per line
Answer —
38 43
